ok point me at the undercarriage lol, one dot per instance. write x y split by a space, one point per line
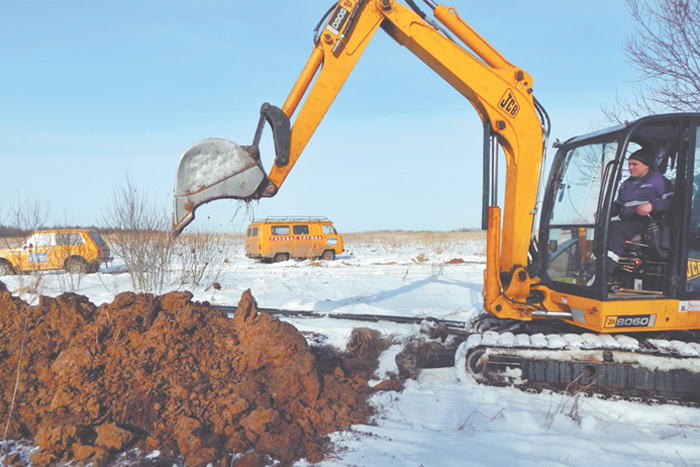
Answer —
650 369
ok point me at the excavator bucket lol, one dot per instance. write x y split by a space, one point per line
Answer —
217 168
213 169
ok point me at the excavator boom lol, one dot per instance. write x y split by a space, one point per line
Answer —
500 92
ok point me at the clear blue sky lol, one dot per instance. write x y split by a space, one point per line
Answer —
93 91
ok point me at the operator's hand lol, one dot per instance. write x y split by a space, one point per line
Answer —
644 209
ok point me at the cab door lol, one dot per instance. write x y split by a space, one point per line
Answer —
332 240
573 199
690 259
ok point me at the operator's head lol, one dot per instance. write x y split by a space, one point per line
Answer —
640 162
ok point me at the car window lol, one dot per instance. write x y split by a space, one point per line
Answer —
301 230
280 230
69 239
97 238
39 239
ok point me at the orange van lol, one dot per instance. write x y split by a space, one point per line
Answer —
276 239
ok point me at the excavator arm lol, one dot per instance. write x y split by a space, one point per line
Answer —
500 92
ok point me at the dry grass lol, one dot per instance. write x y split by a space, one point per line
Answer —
395 239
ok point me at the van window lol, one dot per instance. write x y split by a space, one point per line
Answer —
280 230
328 229
301 230
69 239
255 231
249 232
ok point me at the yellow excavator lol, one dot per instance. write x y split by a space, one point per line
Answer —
555 316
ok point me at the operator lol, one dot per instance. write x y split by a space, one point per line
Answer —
644 192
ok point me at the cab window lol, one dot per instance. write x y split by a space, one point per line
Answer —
301 230
280 230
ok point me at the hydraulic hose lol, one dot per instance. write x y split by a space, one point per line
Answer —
323 20
417 10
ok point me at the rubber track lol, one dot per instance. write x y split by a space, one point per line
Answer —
651 371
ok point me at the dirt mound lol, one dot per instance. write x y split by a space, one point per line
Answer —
162 372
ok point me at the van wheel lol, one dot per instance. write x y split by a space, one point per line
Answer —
76 266
280 257
6 269
328 255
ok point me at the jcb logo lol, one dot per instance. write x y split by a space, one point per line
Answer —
338 20
610 321
693 269
509 104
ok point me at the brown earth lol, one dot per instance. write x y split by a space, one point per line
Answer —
162 372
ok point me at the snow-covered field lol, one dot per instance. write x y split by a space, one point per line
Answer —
438 420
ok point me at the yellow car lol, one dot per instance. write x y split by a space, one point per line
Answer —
75 251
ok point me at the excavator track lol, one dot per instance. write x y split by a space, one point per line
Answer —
619 367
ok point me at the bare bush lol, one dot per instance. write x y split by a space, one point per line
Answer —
19 218
24 216
140 237
202 255
70 282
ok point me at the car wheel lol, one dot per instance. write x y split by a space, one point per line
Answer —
76 266
280 257
6 269
328 255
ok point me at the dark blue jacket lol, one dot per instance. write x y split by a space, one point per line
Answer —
653 188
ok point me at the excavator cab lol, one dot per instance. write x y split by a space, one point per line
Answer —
662 261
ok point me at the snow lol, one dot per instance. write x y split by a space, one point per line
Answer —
444 418
210 161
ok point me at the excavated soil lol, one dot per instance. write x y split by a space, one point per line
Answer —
164 373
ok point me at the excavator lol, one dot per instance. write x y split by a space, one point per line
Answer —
555 318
